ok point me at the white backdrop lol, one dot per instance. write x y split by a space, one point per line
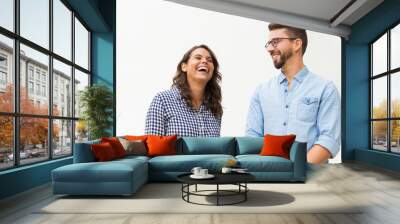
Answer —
153 35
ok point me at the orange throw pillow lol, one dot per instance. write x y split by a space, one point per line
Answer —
116 145
134 138
277 145
103 151
161 145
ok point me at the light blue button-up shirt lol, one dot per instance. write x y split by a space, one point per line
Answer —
310 109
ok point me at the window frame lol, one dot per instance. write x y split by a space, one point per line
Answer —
15 72
388 74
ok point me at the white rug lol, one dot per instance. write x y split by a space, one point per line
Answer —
166 198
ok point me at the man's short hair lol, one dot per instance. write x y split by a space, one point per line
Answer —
293 32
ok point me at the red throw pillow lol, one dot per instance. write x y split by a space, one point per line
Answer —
277 145
116 145
161 145
103 152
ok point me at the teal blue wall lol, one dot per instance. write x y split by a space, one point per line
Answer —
24 178
99 16
103 63
95 13
102 59
356 85
356 99
103 52
380 159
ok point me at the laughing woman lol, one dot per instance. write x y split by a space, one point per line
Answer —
192 107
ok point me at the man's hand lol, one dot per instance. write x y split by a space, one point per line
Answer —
318 154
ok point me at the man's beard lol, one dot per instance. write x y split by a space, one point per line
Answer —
283 57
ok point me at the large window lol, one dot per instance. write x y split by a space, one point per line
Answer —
44 64
385 94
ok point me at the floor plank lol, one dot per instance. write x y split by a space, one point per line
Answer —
377 190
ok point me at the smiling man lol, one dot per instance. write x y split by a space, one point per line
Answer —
296 101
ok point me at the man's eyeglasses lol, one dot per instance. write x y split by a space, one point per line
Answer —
274 42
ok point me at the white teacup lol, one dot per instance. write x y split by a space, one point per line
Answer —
203 172
226 170
196 171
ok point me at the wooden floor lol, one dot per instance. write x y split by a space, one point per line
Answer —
377 188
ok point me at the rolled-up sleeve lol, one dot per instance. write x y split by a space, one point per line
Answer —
255 121
328 120
155 118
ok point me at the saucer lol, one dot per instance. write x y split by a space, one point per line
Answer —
240 171
208 176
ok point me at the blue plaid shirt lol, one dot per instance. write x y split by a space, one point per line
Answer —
310 109
169 115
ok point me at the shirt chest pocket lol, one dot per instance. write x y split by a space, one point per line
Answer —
307 109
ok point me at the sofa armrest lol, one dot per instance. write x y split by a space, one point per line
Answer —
83 152
298 155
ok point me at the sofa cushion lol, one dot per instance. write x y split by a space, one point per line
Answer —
111 171
209 145
131 158
83 152
249 145
185 163
257 163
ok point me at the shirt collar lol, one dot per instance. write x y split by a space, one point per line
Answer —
281 78
300 76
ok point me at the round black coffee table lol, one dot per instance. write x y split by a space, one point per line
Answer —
238 179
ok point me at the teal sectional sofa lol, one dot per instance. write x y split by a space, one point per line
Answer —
125 176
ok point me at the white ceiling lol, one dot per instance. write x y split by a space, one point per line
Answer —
321 9
326 16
